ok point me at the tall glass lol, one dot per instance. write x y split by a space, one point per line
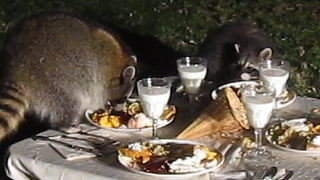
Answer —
259 104
154 94
192 71
274 75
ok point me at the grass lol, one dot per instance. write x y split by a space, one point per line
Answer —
293 25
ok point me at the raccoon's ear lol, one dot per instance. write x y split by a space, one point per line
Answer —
237 48
265 54
129 73
134 58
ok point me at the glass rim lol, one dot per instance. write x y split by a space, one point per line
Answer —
259 90
192 58
286 63
166 82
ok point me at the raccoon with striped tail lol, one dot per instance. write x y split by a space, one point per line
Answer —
57 65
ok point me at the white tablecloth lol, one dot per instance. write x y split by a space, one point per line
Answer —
31 159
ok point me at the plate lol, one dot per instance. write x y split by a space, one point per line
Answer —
162 123
127 162
236 85
272 139
288 99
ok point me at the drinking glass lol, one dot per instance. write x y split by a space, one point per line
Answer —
192 71
154 94
259 103
274 75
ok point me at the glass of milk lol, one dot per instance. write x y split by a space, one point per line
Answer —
259 104
192 71
274 75
154 94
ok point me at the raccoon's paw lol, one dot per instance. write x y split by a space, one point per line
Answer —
70 130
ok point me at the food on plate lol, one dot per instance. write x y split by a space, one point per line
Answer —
298 134
132 108
105 119
139 120
247 143
131 116
169 112
169 158
224 117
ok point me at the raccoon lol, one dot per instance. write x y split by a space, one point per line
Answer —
57 65
234 49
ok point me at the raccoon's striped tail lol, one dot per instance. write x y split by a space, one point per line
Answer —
13 105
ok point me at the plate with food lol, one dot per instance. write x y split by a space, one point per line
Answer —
170 158
129 119
286 99
298 135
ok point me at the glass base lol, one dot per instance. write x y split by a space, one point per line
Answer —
258 154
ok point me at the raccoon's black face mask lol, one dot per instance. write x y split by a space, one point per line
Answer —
121 88
247 63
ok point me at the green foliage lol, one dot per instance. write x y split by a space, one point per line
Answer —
293 25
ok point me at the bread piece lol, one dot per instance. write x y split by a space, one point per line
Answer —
237 108
219 117
209 113
212 127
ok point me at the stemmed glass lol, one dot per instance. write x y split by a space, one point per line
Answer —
274 76
154 94
259 103
192 71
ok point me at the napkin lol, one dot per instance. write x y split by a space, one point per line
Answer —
71 154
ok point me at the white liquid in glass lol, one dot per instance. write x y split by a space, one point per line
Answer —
154 100
275 79
191 77
259 109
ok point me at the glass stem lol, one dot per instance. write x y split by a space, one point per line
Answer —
258 138
191 98
154 129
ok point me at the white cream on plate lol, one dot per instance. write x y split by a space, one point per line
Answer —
316 141
193 163
136 146
297 125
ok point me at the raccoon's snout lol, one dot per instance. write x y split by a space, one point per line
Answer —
245 63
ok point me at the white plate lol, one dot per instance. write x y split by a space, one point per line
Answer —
163 124
288 100
238 84
128 164
280 104
305 152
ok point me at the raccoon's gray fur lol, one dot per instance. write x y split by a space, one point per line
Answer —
231 48
56 66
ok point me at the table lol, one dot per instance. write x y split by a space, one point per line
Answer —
31 160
